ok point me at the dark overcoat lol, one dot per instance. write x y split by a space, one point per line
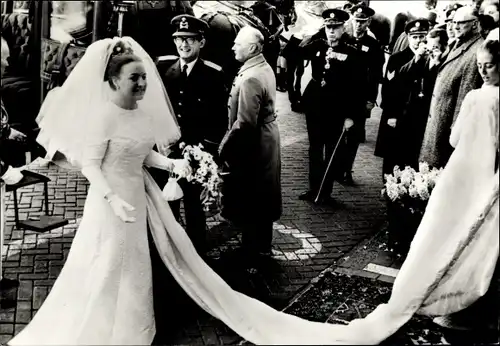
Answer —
415 86
251 149
457 76
391 101
373 58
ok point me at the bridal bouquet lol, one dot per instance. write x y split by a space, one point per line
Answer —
409 188
205 172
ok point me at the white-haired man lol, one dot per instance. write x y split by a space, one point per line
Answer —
250 149
457 76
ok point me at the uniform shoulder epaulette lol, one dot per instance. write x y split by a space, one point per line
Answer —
212 65
166 58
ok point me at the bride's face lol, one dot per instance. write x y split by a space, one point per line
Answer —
132 82
488 68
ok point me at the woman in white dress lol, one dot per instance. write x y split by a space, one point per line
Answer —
103 295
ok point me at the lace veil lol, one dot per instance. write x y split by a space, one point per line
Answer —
66 120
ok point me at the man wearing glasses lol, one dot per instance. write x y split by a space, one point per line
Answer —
199 98
457 76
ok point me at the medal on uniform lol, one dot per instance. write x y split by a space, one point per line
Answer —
421 93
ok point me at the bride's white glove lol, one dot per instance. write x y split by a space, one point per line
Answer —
120 207
98 182
182 168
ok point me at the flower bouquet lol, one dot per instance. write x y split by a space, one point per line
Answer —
407 193
205 172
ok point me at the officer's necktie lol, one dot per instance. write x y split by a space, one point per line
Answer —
184 72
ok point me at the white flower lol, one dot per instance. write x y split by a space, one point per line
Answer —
390 179
396 172
202 171
182 145
392 194
413 191
406 177
423 167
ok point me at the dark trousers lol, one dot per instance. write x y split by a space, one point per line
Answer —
257 236
294 73
354 136
323 138
194 213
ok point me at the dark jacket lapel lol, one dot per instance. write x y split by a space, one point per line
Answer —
456 52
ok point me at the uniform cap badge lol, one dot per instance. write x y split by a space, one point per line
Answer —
184 23
417 24
332 15
360 10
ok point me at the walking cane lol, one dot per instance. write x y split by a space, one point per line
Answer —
329 165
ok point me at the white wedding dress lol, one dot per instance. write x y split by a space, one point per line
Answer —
103 295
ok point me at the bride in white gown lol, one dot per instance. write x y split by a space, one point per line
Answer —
103 295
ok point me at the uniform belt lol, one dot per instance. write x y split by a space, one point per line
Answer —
268 119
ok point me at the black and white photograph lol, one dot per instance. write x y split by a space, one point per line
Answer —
263 172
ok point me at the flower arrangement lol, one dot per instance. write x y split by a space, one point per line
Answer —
409 188
204 171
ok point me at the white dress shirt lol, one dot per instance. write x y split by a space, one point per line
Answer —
189 65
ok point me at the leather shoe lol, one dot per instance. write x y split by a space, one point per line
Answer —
7 284
328 201
347 180
307 196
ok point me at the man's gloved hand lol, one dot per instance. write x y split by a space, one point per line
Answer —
17 135
120 207
369 106
392 122
348 123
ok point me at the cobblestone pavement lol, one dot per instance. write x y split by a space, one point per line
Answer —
307 239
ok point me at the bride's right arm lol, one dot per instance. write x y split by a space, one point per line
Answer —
93 155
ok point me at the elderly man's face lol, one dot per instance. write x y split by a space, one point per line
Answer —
464 23
244 46
450 30
334 32
4 58
360 26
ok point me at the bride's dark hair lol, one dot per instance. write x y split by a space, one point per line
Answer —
122 55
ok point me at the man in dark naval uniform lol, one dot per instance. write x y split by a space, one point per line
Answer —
373 63
199 98
332 100
391 93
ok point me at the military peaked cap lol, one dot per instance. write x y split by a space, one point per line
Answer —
335 16
417 26
451 12
187 25
362 12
